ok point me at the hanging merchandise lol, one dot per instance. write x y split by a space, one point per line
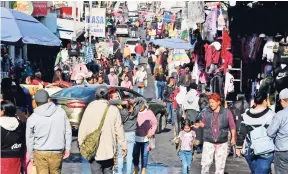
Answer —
210 26
229 83
73 49
216 83
268 50
212 56
195 72
196 13
184 35
88 54
221 21
79 68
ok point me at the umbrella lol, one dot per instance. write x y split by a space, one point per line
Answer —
173 43
16 26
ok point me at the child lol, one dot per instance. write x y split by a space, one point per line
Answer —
186 137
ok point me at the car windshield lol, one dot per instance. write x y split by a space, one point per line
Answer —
122 26
131 42
76 93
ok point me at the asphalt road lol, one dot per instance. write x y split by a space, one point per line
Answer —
163 159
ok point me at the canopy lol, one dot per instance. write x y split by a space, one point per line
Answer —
173 43
16 25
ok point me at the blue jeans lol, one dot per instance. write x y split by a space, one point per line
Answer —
259 165
186 159
138 57
170 111
160 86
156 89
267 70
130 138
140 91
141 148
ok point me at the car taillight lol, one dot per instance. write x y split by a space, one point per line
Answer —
77 105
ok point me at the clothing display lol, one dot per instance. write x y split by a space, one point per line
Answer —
229 83
268 53
79 68
74 49
212 54
216 84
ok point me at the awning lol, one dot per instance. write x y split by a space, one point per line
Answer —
17 26
173 43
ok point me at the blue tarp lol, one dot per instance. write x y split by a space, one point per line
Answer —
173 43
17 26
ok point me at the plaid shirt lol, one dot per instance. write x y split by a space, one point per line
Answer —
88 54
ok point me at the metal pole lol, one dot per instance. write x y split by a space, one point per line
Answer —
89 31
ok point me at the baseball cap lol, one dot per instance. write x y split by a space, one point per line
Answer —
102 92
284 94
41 96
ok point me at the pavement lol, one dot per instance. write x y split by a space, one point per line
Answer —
163 159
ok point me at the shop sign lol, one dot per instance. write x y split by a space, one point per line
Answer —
97 21
40 8
65 34
64 24
60 4
23 6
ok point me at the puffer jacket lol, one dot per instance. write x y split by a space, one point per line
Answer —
217 84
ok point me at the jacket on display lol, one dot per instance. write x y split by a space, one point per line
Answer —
226 42
212 54
229 83
268 50
216 84
79 68
74 49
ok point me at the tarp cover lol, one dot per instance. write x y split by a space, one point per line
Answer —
173 43
16 25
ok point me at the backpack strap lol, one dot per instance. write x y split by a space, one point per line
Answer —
103 118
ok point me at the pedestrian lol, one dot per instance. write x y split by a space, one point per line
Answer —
104 75
113 78
258 116
190 105
140 78
186 137
216 122
126 52
161 79
112 129
169 88
152 61
175 107
48 135
278 130
129 111
92 80
38 79
144 45
157 70
58 76
145 131
186 78
101 80
139 50
80 79
12 139
126 83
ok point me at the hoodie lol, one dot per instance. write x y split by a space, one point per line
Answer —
255 118
191 100
48 129
12 137
212 54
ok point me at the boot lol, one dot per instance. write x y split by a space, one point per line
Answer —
136 170
143 171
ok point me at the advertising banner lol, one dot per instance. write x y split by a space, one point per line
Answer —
96 21
40 8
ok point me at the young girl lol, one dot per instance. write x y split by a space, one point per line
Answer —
186 137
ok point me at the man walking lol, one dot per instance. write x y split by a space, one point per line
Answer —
112 129
278 129
139 50
48 135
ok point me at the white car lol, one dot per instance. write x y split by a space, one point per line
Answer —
132 44
122 30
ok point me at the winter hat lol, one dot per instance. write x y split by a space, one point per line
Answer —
41 96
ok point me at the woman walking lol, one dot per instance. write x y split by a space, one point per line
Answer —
140 78
146 128
259 115
12 139
126 83
161 79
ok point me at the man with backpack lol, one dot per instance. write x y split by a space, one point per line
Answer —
278 131
100 127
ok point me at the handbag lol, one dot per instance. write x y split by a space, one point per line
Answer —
196 142
152 143
141 84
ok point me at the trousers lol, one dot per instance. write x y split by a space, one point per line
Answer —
102 167
48 162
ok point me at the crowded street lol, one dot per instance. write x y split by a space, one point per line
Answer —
148 87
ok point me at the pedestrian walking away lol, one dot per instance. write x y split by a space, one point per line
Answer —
48 135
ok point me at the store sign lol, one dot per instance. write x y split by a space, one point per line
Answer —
64 24
40 8
23 6
60 4
96 21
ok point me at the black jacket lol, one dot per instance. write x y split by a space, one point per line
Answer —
12 138
217 84
167 92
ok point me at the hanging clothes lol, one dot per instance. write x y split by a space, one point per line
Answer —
216 84
196 13
229 83
79 68
226 42
268 50
88 54
74 49
212 54
210 25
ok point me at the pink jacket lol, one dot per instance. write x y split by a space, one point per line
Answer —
127 84
79 68
146 123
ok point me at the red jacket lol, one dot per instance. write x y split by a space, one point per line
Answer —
212 56
226 43
173 98
228 60
139 49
